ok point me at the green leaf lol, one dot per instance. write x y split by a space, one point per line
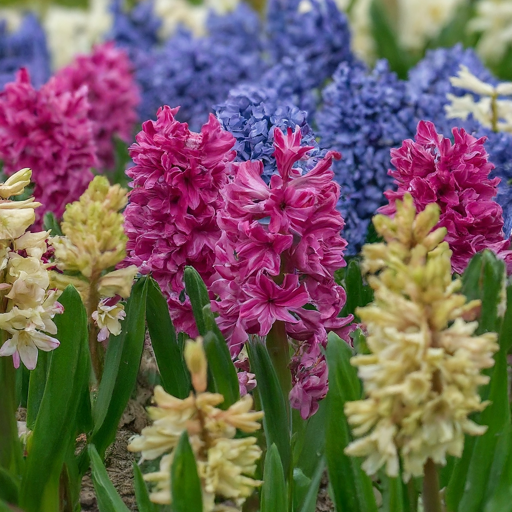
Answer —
309 504
222 369
392 495
275 420
352 488
121 368
9 487
173 371
300 488
198 294
37 384
52 224
108 498
4 507
386 40
501 497
273 491
144 504
185 483
358 293
55 427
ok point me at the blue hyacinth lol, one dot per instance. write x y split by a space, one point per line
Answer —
364 115
318 34
24 48
197 73
252 113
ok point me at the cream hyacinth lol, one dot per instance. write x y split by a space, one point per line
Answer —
421 379
225 465
28 306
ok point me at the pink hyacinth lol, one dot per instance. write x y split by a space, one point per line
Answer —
49 131
456 177
113 95
278 252
171 217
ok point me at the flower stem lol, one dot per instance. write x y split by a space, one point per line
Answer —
495 116
96 348
10 448
431 496
279 351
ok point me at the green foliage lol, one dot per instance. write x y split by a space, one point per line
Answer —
359 294
273 492
51 224
352 488
141 492
185 484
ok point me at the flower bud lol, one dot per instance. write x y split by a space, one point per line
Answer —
197 364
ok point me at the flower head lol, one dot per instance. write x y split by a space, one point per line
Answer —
363 116
422 376
171 218
456 177
49 131
225 465
112 92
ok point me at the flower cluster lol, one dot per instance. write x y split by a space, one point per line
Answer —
312 30
48 130
198 72
252 113
225 465
279 248
28 305
364 115
421 378
456 177
24 48
93 243
112 92
171 218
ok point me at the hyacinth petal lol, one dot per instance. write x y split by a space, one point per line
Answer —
8 348
28 354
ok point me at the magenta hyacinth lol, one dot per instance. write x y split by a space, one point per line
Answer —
278 252
456 177
49 131
171 217
113 96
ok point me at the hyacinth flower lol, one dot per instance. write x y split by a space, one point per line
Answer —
456 177
225 465
24 48
198 72
93 244
49 131
28 303
171 218
113 96
252 113
423 371
364 114
276 257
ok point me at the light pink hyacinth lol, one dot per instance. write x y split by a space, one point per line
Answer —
49 131
171 217
113 96
456 177
278 252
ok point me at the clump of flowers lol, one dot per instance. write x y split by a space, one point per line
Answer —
456 177
279 248
48 130
422 376
28 305
26 47
113 96
252 113
171 218
225 465
93 244
198 72
364 114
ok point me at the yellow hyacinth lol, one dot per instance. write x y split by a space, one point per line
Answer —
225 465
94 242
421 379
